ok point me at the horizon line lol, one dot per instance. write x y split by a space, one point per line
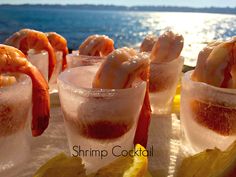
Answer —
56 4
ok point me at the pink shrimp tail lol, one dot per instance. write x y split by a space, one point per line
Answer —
141 135
64 62
41 104
52 61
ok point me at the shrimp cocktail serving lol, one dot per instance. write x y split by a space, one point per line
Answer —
21 85
46 51
91 52
165 68
109 103
36 46
208 99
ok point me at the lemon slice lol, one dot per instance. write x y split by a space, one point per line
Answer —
176 101
129 166
210 163
62 166
139 165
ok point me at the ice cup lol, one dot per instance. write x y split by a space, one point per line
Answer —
15 115
100 123
40 60
57 70
208 114
164 78
75 60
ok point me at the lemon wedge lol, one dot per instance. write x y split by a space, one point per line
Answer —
176 100
210 163
129 166
62 166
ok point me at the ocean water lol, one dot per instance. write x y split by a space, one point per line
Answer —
125 28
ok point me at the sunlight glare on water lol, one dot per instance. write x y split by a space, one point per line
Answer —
197 28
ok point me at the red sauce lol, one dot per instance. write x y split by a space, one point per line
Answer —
104 130
218 118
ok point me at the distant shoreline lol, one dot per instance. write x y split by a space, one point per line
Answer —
221 10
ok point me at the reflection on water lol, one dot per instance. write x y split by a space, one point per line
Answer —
197 29
126 28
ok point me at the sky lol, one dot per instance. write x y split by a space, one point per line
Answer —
189 3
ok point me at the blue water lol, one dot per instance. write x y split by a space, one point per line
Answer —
126 28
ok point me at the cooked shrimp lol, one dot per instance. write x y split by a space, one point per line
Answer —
148 43
202 56
118 71
7 80
97 45
13 60
167 47
216 64
27 39
125 64
59 43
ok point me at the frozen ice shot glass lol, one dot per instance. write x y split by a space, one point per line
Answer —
15 114
208 114
164 78
57 70
98 120
91 52
40 60
165 68
18 94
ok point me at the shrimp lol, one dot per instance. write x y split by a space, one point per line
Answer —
27 39
216 64
13 60
97 45
59 43
148 43
167 47
120 69
7 80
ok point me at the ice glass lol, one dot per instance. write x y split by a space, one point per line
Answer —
40 60
56 72
15 112
208 114
164 78
75 60
98 119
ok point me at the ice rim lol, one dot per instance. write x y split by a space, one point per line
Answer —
75 53
83 58
22 80
33 52
187 82
93 92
